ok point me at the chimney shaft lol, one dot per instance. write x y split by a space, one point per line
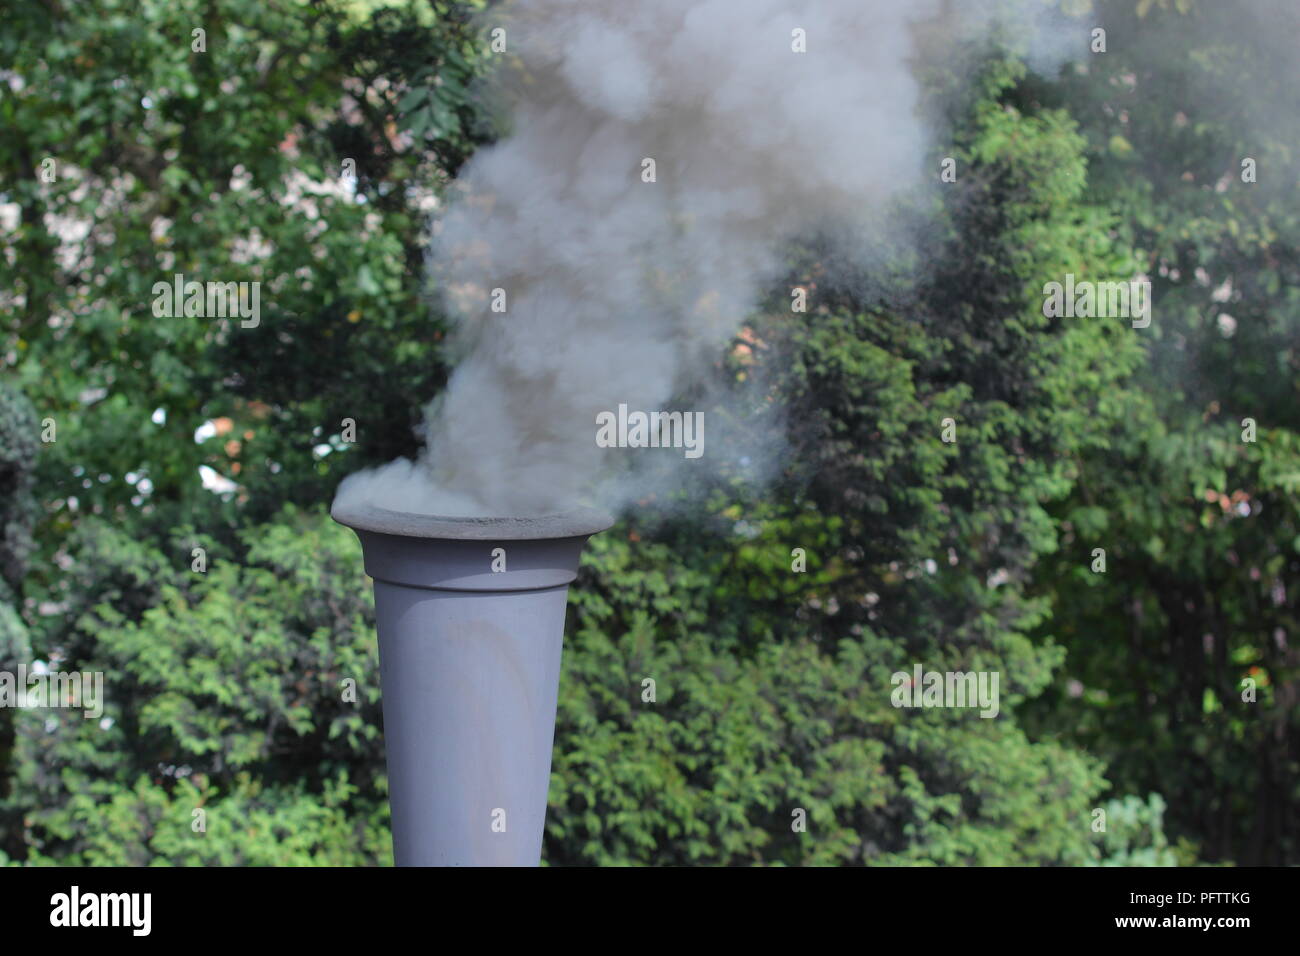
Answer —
470 614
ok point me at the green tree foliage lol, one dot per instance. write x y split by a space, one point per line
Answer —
226 164
18 444
227 692
288 147
229 625
1187 641
772 696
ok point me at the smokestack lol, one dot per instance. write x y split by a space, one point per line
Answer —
599 258
470 614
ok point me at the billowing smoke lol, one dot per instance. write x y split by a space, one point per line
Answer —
659 155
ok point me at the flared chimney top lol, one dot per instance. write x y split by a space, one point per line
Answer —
578 522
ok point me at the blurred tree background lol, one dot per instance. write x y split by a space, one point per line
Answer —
306 147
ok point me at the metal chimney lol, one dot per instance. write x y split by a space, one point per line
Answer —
470 614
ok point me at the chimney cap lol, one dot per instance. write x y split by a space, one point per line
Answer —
576 523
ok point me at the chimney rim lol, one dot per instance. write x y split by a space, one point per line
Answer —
576 522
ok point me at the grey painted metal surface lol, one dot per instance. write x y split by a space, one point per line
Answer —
470 668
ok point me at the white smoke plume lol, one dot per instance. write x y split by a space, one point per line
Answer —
619 290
